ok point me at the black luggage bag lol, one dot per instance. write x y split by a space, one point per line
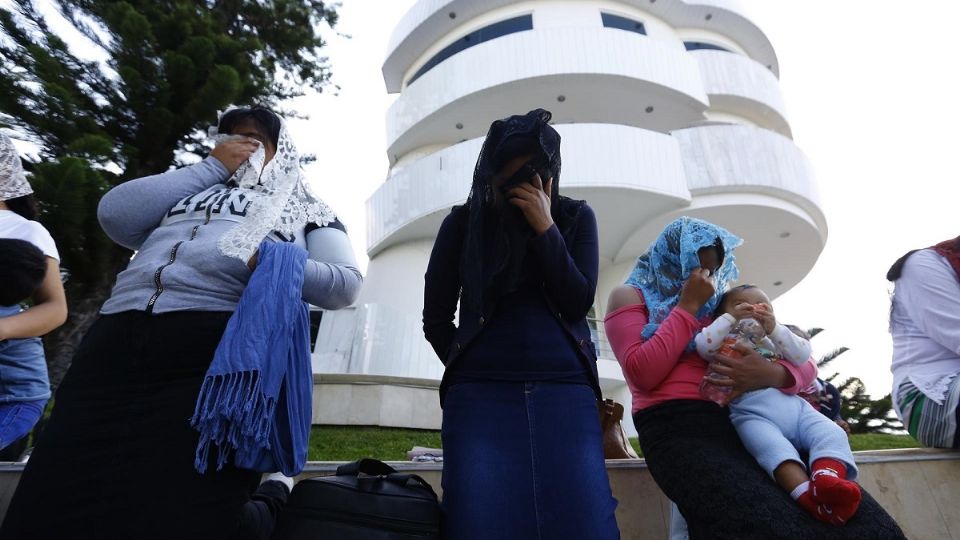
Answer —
366 500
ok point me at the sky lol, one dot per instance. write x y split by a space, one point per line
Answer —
871 99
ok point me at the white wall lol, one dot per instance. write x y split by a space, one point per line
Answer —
395 276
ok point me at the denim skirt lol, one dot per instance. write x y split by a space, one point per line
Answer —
524 460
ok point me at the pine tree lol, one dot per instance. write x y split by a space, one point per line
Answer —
862 413
171 65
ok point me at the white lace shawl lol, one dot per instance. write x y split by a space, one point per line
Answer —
13 183
280 199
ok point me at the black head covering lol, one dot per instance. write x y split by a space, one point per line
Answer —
493 249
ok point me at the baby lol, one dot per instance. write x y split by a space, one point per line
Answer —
776 427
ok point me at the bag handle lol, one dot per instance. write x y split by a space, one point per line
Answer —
368 466
404 479
375 467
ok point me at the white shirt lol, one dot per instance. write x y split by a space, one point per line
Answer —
925 324
13 225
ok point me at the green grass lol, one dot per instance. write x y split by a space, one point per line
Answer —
858 441
881 441
347 443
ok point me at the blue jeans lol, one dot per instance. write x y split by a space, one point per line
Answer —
774 427
524 460
17 418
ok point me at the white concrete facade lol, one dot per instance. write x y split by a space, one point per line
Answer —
650 131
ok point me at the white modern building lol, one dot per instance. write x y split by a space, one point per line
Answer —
666 108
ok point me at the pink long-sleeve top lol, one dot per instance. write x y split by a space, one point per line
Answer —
660 368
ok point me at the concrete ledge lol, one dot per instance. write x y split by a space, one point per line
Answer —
906 454
919 487
376 400
350 378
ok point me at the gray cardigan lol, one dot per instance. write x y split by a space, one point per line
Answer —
173 221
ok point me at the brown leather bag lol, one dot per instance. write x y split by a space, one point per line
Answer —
615 442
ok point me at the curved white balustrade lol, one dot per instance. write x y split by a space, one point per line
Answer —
603 75
734 158
759 185
370 338
736 84
428 21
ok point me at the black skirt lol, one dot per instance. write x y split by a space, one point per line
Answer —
697 459
116 459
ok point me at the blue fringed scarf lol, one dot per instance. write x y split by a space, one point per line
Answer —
255 402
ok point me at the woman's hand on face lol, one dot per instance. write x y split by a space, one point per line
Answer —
534 201
233 152
763 313
748 372
696 291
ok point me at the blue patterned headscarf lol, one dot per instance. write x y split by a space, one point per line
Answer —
662 270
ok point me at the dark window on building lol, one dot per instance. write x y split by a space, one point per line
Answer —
701 46
316 316
500 29
615 21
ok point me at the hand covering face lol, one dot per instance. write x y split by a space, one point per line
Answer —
281 200
661 272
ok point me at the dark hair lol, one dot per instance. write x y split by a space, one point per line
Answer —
22 271
264 118
896 270
745 287
25 206
893 274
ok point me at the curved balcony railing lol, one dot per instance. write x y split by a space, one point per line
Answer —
582 74
757 184
428 21
736 84
732 158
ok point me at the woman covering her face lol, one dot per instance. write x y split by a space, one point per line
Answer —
689 442
119 458
520 388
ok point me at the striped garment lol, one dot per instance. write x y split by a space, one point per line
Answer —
932 424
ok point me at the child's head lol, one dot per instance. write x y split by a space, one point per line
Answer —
742 294
21 271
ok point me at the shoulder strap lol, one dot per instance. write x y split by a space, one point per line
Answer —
374 467
368 466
